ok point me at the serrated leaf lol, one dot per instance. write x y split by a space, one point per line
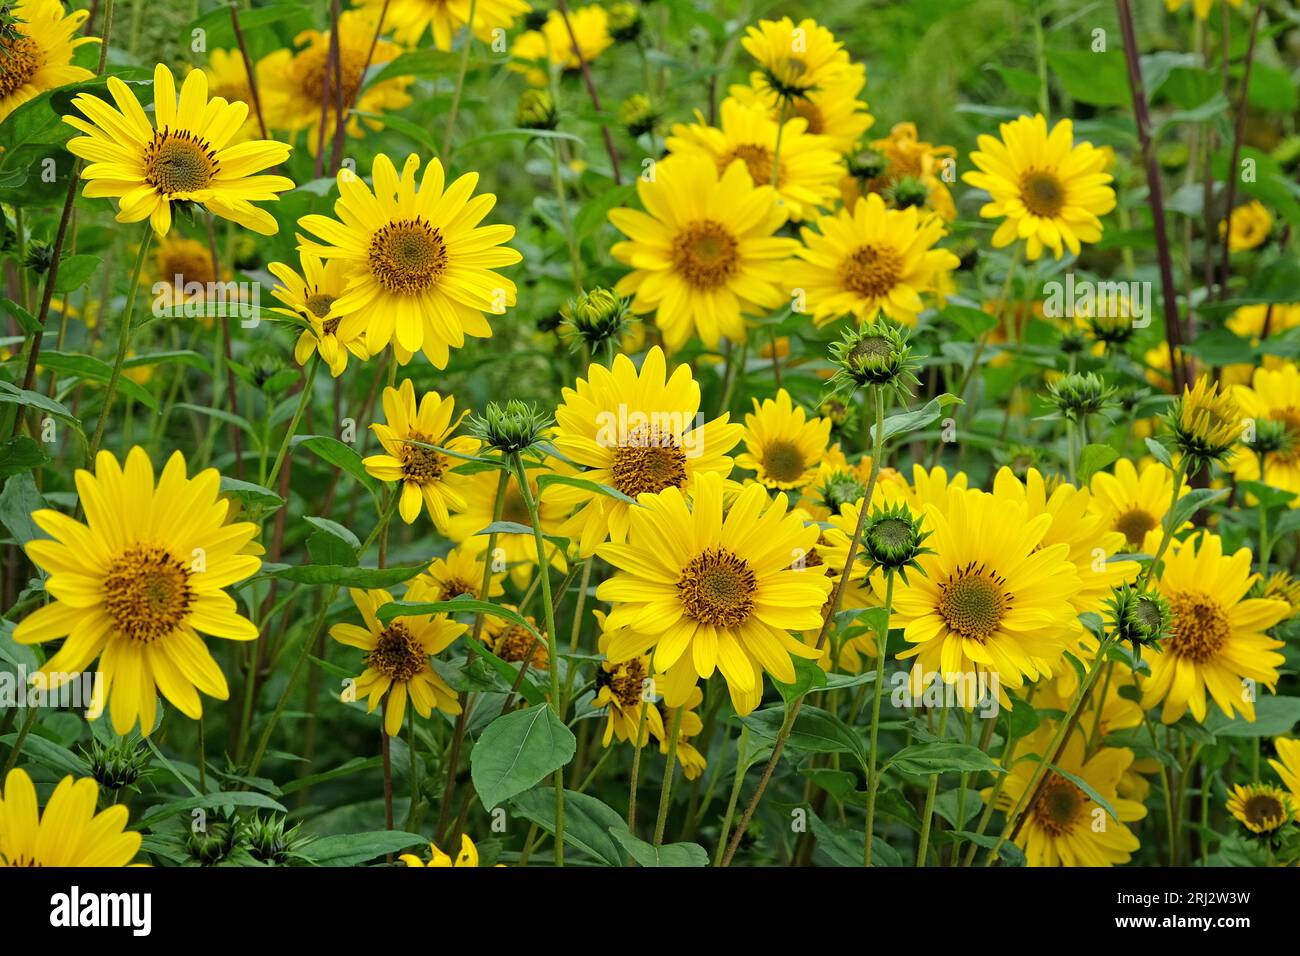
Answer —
517 751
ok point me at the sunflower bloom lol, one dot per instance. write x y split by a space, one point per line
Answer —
1217 639
397 658
1288 768
1044 188
1272 396
808 168
443 19
459 573
638 433
1134 502
1247 226
138 582
833 108
626 690
783 447
468 856
1200 7
793 61
1261 808
552 47
703 254
427 476
292 84
1062 824
187 158
228 79
421 265
714 589
68 833
992 599
870 260
38 56
311 297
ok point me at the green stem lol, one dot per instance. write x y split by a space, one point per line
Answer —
460 82
927 814
873 780
1167 530
670 771
29 719
735 794
303 399
123 343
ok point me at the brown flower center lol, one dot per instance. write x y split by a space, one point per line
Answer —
783 461
421 465
973 602
1290 452
189 260
812 114
147 593
1135 524
397 654
626 682
717 587
871 271
1199 628
516 644
757 159
178 161
1264 811
1059 804
407 255
648 462
453 588
706 254
20 58
318 304
1042 193
313 69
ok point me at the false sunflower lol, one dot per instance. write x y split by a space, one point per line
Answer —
310 297
68 832
1272 396
37 55
783 447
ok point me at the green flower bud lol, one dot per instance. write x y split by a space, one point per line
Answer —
638 115
1080 394
1140 618
892 540
536 110
874 354
510 428
118 764
596 318
907 192
623 21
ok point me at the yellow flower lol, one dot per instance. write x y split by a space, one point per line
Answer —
703 254
552 45
408 19
38 57
1045 189
68 833
516 553
831 552
1205 422
468 856
906 155
459 573
1201 7
992 599
310 297
808 167
1247 226
420 264
831 109
1065 826
228 79
1135 503
692 761
793 61
713 588
397 657
1272 396
1217 639
428 476
138 582
869 260
626 689
188 158
293 84
1261 807
514 643
636 432
783 447
1288 768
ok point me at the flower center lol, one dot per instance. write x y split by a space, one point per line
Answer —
21 58
717 587
421 465
397 654
516 644
783 461
626 682
407 255
1290 418
318 303
648 462
178 161
871 271
706 254
1135 524
314 70
453 588
1042 193
1264 812
812 114
189 261
757 159
1199 628
973 602
1058 806
147 593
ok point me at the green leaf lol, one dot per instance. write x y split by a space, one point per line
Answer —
594 211
233 798
911 421
1100 79
1161 453
1093 459
343 575
74 271
587 822
1192 502
19 498
807 675
646 854
942 757
353 849
21 453
13 395
90 369
20 315
49 754
553 479
334 452
412 131
814 731
250 494
506 527
1274 717
518 750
